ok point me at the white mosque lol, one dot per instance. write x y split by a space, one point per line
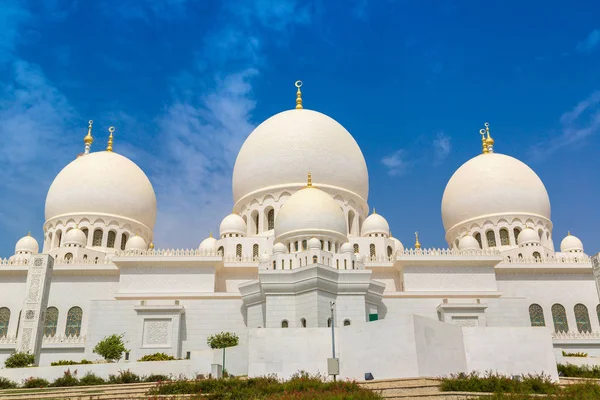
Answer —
301 252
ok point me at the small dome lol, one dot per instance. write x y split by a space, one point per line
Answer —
375 224
27 244
75 237
526 236
208 244
571 244
347 248
310 211
232 223
279 248
468 243
314 244
136 243
398 246
264 257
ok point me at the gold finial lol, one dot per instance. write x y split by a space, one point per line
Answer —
210 234
374 212
299 96
568 233
88 139
110 138
29 233
151 245
483 144
417 244
486 140
309 181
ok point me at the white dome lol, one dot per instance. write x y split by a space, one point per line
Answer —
136 243
493 184
280 151
375 223
310 211
347 248
233 223
468 242
279 248
571 244
208 244
75 237
314 244
27 244
264 257
528 235
102 183
398 246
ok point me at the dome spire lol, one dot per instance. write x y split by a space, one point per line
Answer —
417 244
88 139
110 139
309 180
486 140
299 96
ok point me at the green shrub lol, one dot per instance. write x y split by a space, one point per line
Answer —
585 391
578 354
124 377
70 362
31 383
111 348
157 357
19 360
495 383
6 383
91 379
156 378
575 371
66 380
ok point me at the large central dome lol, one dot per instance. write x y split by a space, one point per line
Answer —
281 150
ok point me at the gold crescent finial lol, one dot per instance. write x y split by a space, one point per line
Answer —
489 141
88 139
309 180
374 211
110 139
298 96
210 234
568 233
29 233
417 244
483 144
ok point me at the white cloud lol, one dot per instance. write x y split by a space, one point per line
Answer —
396 163
590 43
576 125
441 147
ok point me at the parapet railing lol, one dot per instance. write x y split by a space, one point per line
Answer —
448 252
576 335
582 259
56 339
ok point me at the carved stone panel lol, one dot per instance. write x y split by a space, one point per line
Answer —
157 332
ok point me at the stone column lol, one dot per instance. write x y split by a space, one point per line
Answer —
31 332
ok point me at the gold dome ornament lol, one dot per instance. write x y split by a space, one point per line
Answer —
417 244
88 139
110 139
298 96
487 141
151 246
309 181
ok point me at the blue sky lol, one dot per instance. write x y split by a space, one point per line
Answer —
186 81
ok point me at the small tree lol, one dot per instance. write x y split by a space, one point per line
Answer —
111 348
222 341
19 360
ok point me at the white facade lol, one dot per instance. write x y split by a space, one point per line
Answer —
499 298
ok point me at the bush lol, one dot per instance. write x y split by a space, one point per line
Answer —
70 362
157 357
575 371
578 354
31 383
91 379
495 383
7 383
585 391
111 348
66 380
156 378
124 377
19 360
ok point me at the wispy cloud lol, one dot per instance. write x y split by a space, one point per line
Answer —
576 125
590 43
397 163
441 146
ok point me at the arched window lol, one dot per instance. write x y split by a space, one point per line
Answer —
504 240
110 241
238 250
274 264
315 259
4 320
255 251
536 315
296 246
290 264
284 323
491 238
559 317
271 219
328 246
69 256
51 321
582 318
456 243
372 252
329 322
351 222
346 322
85 256
598 312
356 248
123 241
322 245
540 233
520 255
303 322
58 238
282 264
86 231
337 264
304 245
345 264
477 237
537 256
389 251
255 219
516 232
97 238
74 317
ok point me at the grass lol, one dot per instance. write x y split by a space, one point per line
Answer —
575 371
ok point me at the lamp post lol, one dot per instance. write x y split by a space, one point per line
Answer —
332 304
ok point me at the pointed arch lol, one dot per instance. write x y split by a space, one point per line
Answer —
536 315
477 237
111 239
504 239
74 317
238 250
51 321
559 318
4 321
255 250
582 318
97 238
372 251
356 248
490 236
